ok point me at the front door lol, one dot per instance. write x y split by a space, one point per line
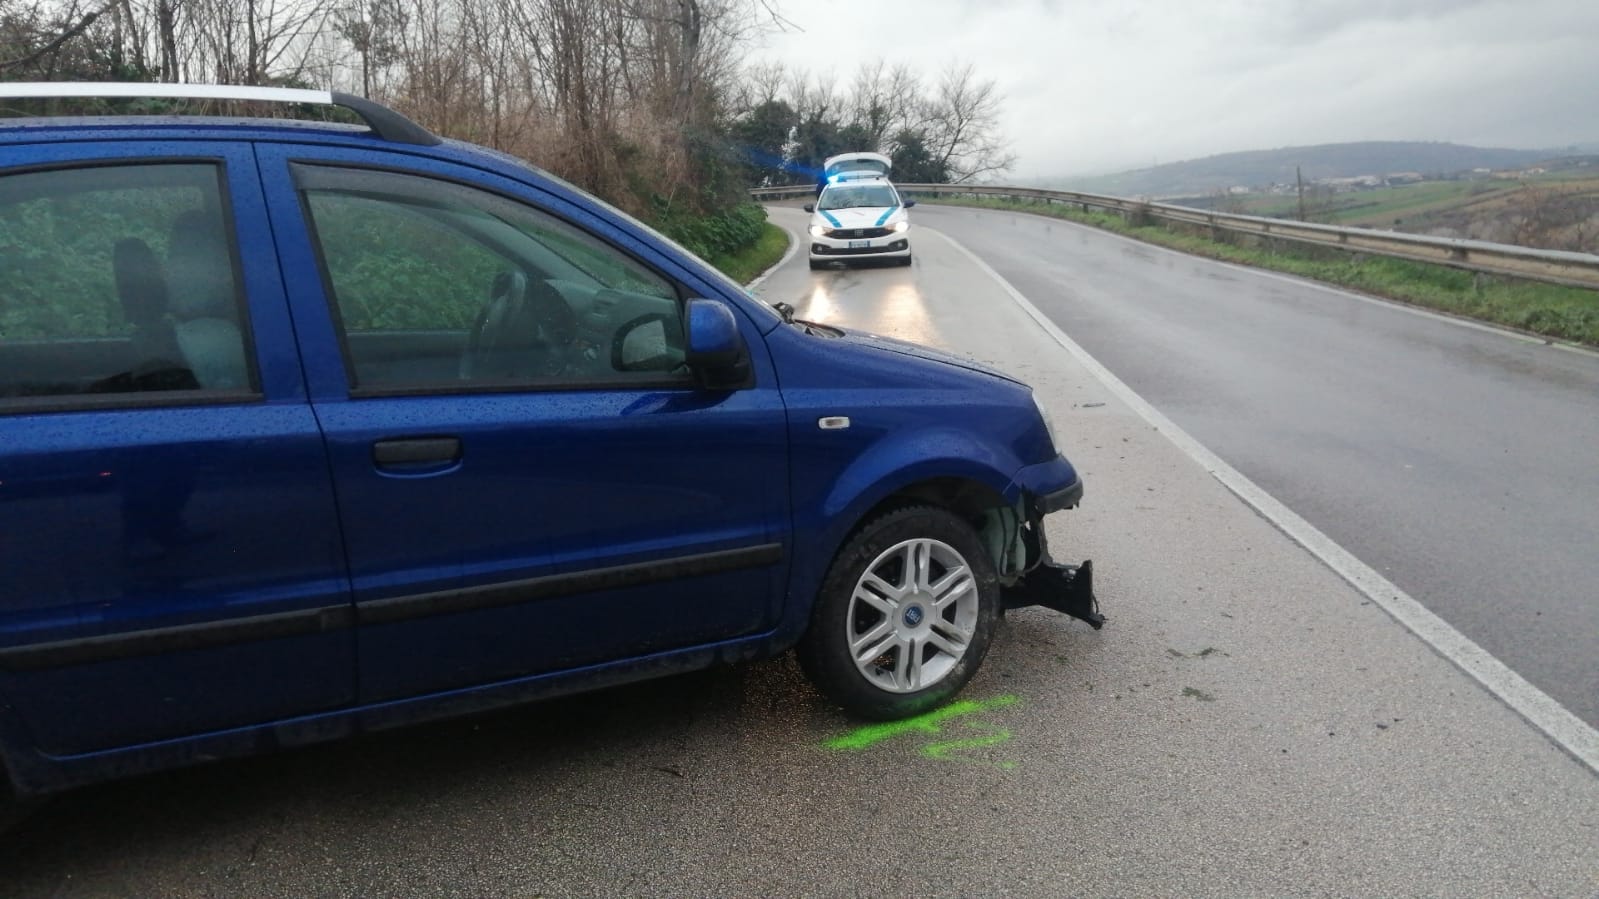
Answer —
529 479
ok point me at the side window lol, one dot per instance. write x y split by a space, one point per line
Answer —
118 280
438 285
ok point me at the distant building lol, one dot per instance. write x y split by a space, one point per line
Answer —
1357 182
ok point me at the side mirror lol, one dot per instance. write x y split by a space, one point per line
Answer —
646 344
716 349
909 203
810 207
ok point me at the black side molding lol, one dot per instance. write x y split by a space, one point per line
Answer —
445 602
174 639
210 634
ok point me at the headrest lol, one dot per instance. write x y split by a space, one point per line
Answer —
141 285
199 268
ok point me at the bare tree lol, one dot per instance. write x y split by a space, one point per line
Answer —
373 29
964 125
949 131
74 23
630 98
758 85
884 101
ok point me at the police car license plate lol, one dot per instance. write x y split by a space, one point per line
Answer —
859 244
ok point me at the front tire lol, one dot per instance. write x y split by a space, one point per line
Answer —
817 266
905 615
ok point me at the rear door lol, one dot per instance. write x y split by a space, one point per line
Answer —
168 537
529 479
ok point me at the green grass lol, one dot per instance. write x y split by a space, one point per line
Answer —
759 256
1550 310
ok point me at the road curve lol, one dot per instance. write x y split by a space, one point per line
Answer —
1462 463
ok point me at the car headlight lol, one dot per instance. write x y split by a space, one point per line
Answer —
1049 424
818 231
901 226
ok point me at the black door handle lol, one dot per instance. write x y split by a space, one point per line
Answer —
416 451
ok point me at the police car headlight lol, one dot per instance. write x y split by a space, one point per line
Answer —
901 226
818 231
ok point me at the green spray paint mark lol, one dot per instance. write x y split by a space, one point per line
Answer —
946 751
928 723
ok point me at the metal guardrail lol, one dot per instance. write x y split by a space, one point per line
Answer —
1552 266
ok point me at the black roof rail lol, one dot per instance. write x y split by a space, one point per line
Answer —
384 122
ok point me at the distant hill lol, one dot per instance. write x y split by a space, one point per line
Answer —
1259 168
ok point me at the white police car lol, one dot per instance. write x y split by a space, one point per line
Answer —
859 219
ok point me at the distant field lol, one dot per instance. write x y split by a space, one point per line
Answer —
1420 207
1381 206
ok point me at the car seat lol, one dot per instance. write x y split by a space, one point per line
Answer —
155 360
204 303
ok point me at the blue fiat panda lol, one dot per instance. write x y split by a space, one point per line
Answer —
311 429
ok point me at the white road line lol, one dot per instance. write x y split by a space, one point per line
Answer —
1567 730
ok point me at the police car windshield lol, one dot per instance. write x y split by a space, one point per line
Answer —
854 195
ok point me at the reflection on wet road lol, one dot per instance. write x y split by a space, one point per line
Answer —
885 301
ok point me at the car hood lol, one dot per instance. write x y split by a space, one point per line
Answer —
918 351
859 217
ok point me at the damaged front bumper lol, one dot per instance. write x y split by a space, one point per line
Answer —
1029 577
1068 589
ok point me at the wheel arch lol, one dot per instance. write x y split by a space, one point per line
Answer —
969 493
969 498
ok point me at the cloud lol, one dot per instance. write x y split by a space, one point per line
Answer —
1096 86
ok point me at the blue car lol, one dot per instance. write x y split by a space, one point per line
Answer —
310 429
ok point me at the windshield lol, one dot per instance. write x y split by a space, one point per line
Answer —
857 195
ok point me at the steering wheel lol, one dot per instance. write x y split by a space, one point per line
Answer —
517 335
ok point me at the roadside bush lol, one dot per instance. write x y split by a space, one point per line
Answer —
716 234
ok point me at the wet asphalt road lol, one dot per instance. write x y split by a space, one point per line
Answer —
1462 464
1246 725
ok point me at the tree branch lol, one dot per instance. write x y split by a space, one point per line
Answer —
55 44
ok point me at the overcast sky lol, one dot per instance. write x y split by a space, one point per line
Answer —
1103 85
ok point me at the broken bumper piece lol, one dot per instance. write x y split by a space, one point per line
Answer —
1068 589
